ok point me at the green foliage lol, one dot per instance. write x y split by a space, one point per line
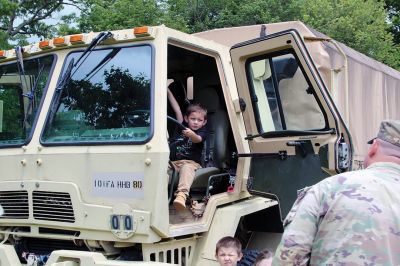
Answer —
100 15
20 19
7 8
393 9
67 25
360 24
24 17
201 15
121 93
4 41
12 112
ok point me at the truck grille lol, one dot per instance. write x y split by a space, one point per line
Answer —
52 206
15 204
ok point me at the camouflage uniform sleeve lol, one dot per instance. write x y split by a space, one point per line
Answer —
300 229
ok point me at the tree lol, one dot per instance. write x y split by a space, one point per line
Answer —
109 105
21 18
393 8
100 15
4 41
360 24
201 15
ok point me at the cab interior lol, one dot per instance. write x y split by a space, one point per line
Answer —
196 80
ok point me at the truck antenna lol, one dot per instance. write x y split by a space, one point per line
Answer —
263 31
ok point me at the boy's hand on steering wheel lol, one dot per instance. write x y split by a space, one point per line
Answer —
188 133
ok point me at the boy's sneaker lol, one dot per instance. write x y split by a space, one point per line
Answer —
180 201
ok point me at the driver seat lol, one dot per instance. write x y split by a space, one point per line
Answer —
213 177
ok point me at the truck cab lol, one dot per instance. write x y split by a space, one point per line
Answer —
85 127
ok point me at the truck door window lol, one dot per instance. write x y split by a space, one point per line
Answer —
282 97
105 99
21 94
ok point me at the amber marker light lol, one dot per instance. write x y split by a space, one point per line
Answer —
44 44
59 41
141 31
2 54
76 39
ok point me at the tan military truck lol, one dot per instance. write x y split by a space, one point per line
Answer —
84 145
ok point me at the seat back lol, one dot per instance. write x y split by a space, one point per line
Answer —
216 149
213 177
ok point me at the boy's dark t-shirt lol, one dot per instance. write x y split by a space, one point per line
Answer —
182 148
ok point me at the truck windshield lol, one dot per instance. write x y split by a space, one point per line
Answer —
107 98
21 94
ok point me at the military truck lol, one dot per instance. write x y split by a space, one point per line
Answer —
364 90
84 145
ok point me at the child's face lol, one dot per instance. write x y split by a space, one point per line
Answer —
195 120
228 256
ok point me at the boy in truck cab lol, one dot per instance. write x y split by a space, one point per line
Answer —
187 147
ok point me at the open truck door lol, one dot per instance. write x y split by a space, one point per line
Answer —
295 133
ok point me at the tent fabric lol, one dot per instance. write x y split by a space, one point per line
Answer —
372 93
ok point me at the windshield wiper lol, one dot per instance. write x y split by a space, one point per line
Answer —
23 81
31 96
60 86
20 66
103 62
66 77
96 41
74 66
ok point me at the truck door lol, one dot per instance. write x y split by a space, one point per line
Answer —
295 133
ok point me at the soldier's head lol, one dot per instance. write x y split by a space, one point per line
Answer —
228 251
386 146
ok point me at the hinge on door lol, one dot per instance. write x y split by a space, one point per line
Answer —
242 104
239 105
344 155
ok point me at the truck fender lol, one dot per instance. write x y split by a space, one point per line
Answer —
225 223
8 256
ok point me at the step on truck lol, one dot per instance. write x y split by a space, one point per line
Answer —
85 124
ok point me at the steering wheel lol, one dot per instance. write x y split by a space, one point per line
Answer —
138 118
176 122
177 126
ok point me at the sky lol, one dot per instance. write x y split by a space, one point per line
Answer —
56 17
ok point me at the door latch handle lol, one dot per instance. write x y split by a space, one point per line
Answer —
300 145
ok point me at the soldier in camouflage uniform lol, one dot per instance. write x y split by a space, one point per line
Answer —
351 218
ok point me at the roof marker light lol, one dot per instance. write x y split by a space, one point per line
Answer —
141 31
59 41
76 39
44 44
